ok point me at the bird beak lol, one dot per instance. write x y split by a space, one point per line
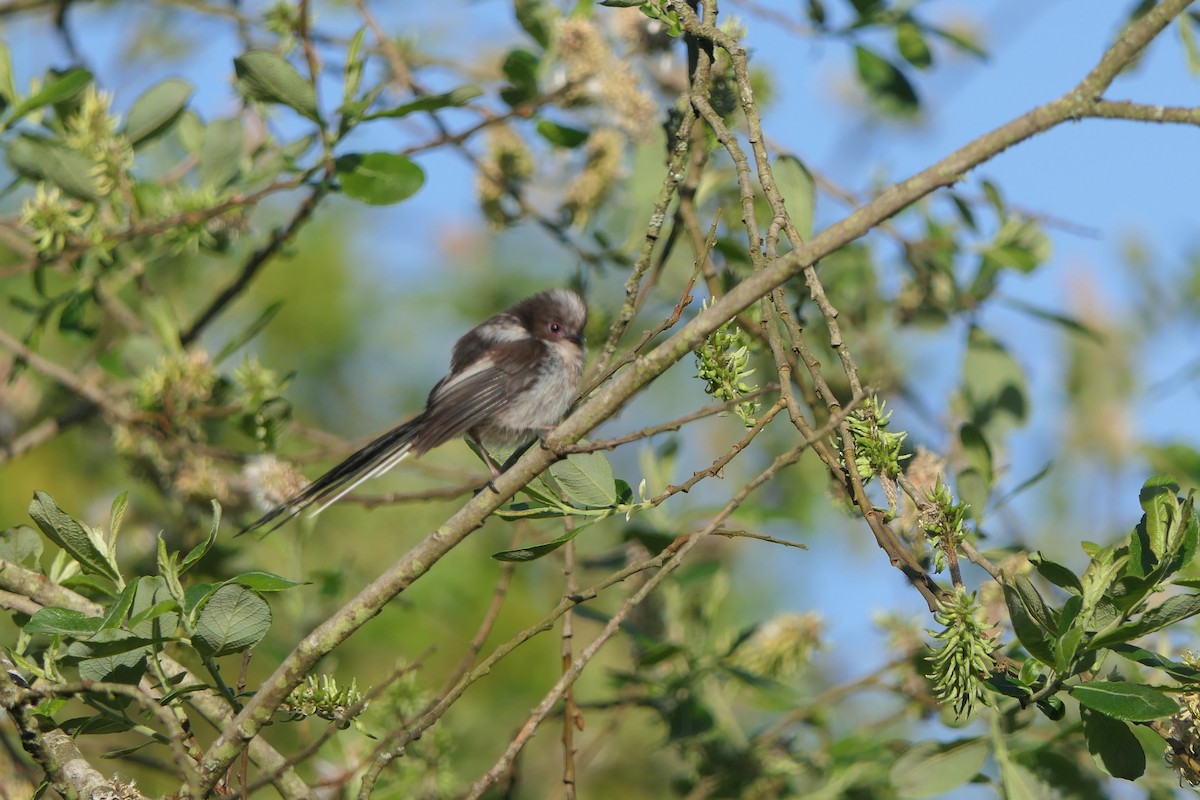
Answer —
577 338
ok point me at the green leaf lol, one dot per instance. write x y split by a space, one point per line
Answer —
152 615
520 68
61 88
221 152
1128 701
910 41
21 545
379 179
72 536
973 490
538 550
885 84
54 621
113 655
795 183
265 581
42 159
1172 610
1019 783
1069 323
353 71
993 385
1160 502
587 478
959 40
1029 633
8 86
1176 670
1113 746
1056 573
199 551
976 451
928 769
537 18
232 619
561 135
266 77
430 102
534 510
1033 602
157 110
115 517
119 608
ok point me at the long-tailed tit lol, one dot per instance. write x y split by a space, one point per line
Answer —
512 377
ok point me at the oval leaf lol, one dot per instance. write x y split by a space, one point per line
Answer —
379 179
62 622
57 90
233 619
266 77
1127 701
156 110
587 478
45 160
538 550
1113 746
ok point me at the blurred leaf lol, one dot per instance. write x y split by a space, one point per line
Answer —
248 333
885 83
21 545
1071 324
928 769
537 18
266 77
587 479
72 536
353 70
430 102
910 41
1113 746
520 68
799 191
993 385
42 159
55 91
962 41
221 152
379 179
972 488
8 86
976 450
157 110
561 135
232 619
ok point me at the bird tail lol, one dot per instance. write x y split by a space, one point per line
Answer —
369 462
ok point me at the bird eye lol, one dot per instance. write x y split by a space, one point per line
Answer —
555 327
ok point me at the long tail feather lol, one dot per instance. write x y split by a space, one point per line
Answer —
371 461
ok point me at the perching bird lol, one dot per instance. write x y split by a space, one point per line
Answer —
512 377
